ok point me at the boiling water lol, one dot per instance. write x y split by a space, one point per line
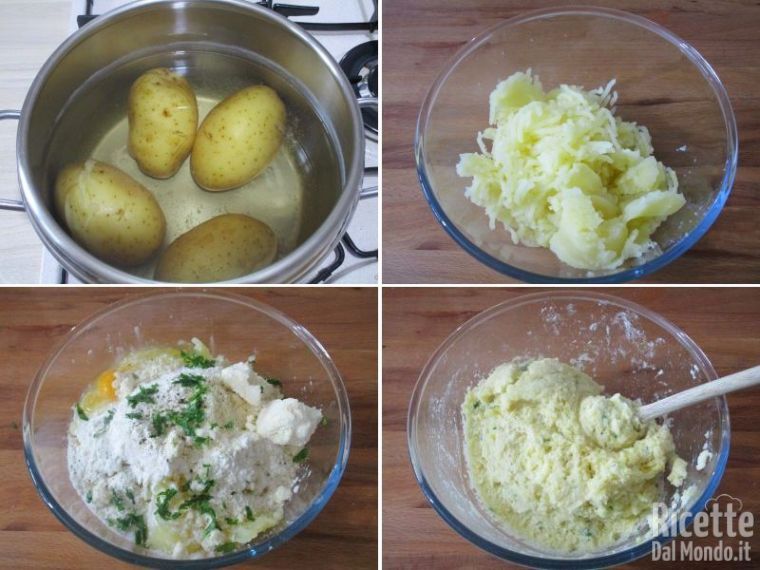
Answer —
275 196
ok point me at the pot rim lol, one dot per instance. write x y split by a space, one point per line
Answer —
84 265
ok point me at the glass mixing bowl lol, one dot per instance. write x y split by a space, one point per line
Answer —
663 83
625 347
231 325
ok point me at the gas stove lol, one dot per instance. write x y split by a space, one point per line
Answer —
348 30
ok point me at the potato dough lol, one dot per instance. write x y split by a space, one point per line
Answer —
238 139
109 213
540 473
163 120
224 247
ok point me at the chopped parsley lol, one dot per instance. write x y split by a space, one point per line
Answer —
162 502
212 523
135 415
189 380
274 382
130 496
117 501
248 513
201 441
196 360
227 547
132 521
324 421
193 415
229 425
301 456
209 483
81 414
106 422
160 421
144 396
201 502
88 498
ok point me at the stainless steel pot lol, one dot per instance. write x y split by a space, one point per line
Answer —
58 111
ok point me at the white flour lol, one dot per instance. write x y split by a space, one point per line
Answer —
218 441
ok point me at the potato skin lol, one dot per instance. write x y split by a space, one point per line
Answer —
224 247
163 119
109 213
238 139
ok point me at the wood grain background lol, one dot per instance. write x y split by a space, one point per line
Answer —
723 322
420 36
344 534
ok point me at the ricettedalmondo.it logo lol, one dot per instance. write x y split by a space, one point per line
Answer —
720 533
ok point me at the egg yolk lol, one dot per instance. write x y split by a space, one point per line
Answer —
100 393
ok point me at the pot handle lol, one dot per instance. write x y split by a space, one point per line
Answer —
7 203
369 191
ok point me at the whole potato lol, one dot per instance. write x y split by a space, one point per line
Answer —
163 118
238 139
109 213
224 247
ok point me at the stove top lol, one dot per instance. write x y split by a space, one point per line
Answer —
348 30
360 64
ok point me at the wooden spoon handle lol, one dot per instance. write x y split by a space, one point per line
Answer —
730 383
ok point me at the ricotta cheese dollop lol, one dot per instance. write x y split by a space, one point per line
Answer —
188 454
558 466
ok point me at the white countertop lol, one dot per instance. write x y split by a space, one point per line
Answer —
29 32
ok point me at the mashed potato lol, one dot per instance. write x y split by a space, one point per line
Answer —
539 471
564 173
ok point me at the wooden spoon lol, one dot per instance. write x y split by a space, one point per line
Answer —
731 383
614 424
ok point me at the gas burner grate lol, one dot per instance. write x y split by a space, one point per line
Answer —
340 256
355 251
360 64
325 273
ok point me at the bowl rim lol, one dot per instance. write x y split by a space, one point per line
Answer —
622 556
272 542
672 253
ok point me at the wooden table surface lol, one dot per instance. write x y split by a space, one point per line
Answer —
723 322
419 37
344 534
